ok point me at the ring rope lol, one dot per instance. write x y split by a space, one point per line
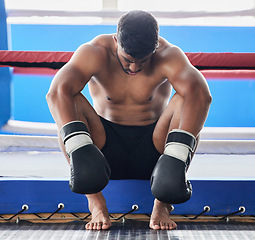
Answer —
56 60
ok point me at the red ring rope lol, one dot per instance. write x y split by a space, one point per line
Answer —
241 65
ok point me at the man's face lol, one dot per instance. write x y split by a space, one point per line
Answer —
130 65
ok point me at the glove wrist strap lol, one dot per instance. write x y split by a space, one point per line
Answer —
75 135
77 142
179 144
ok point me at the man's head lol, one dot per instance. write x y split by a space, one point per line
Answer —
138 34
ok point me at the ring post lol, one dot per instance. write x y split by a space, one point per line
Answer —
5 76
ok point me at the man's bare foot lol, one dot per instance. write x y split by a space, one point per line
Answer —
160 218
100 215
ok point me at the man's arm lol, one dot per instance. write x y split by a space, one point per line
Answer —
168 181
189 83
69 81
90 171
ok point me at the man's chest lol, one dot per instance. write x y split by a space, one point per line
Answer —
130 89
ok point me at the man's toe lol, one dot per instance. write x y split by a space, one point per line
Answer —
162 225
155 225
106 225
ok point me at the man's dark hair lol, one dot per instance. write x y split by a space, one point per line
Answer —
138 33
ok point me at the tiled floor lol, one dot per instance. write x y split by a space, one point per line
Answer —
131 230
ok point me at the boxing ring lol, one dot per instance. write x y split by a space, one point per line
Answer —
34 173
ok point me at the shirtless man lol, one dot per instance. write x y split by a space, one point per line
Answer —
130 75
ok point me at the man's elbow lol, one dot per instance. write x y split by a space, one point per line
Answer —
49 97
206 98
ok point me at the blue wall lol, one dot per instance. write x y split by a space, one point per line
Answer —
233 100
233 103
190 39
5 77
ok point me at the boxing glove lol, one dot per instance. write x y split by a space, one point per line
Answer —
90 171
168 180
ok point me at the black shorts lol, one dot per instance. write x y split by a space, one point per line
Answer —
129 150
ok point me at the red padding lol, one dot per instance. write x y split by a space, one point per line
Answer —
229 74
35 71
55 60
34 56
223 60
208 74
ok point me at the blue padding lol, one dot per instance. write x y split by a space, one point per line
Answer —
223 197
121 195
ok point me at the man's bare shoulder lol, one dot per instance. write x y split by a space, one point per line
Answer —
100 46
91 55
172 59
104 40
168 51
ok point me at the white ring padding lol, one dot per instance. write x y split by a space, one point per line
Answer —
24 127
28 143
226 147
228 133
214 140
76 142
48 143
